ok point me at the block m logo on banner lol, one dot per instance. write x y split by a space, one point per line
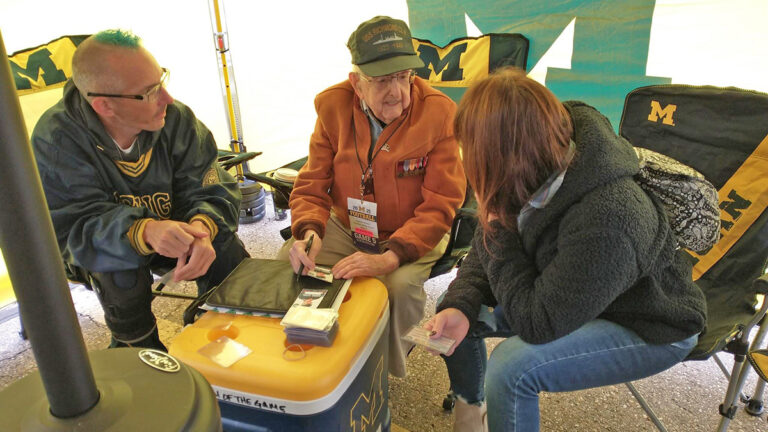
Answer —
46 66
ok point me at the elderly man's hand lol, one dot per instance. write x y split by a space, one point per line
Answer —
201 255
170 238
297 254
363 264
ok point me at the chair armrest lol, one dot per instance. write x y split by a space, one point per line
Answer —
459 242
286 233
266 178
228 159
761 284
463 229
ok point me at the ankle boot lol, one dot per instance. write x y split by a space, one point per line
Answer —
469 418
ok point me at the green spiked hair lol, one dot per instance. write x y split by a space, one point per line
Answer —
88 66
117 37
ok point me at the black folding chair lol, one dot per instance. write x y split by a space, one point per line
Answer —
722 133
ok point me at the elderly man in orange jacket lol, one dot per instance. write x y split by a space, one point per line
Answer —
383 179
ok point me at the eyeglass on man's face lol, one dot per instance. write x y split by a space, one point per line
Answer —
402 78
149 96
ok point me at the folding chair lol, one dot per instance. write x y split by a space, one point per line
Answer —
722 133
451 69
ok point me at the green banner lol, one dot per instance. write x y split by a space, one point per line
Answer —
610 42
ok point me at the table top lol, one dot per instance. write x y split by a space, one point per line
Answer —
271 368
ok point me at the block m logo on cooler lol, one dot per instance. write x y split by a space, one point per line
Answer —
367 407
664 114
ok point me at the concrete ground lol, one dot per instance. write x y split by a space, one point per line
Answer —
686 397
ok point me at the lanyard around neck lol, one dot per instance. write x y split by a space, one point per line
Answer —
367 171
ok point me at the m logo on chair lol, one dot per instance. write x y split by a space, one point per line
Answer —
665 114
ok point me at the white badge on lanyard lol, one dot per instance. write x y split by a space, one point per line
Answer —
362 222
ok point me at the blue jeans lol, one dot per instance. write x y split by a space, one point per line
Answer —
597 354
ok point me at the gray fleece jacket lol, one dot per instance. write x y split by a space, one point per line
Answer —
601 248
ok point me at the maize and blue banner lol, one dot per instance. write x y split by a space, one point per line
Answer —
454 67
45 66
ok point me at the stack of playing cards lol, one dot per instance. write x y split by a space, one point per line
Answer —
313 317
301 335
305 323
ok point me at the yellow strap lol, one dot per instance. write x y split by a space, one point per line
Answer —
759 360
743 199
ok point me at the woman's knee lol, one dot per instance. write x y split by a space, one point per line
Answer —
510 364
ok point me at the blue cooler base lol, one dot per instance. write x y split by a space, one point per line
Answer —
363 406
297 423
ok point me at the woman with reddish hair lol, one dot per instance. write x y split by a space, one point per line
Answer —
580 265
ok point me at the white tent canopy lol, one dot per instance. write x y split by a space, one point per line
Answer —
282 56
284 53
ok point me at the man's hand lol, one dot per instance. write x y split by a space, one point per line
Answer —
451 323
298 256
363 264
170 238
201 255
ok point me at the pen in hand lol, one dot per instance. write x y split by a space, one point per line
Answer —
306 251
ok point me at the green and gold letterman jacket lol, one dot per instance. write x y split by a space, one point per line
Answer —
100 203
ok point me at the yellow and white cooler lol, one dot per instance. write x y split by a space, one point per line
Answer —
274 388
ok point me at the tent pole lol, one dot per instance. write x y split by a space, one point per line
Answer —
35 266
224 57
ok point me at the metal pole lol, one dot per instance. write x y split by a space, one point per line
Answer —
35 266
228 86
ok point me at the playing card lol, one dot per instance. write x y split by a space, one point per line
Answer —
421 336
322 273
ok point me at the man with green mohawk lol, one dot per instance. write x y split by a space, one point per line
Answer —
132 184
